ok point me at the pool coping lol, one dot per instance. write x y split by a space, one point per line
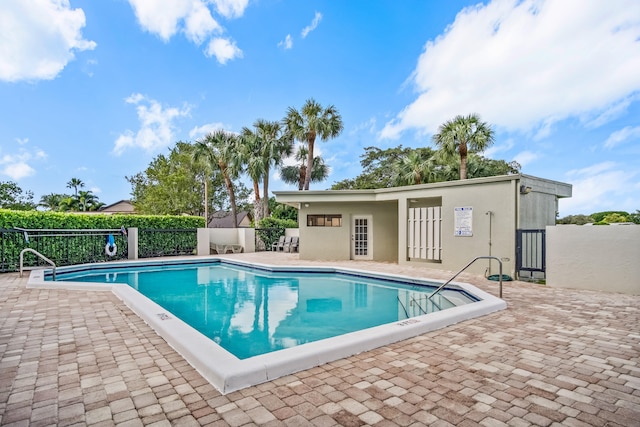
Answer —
226 372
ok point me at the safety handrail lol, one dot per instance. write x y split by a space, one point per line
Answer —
464 268
38 254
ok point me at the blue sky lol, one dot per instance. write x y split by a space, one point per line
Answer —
96 89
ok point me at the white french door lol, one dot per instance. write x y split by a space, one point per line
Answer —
361 240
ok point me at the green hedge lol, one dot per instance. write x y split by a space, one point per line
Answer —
74 221
80 249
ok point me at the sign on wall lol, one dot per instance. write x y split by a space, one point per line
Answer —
463 221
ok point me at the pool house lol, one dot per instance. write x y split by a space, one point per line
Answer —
444 225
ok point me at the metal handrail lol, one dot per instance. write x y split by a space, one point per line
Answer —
464 268
57 232
41 256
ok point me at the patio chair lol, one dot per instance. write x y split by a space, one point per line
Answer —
292 245
279 245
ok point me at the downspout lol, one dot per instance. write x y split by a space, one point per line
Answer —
488 271
515 183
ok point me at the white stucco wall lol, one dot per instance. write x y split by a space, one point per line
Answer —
604 258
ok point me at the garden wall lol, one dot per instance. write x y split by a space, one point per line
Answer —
603 258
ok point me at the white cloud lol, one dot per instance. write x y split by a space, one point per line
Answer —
369 126
522 65
223 49
492 151
166 18
17 165
287 43
601 187
314 24
625 134
38 38
526 157
200 131
231 8
156 126
18 170
194 19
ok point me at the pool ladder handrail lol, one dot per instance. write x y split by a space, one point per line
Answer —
53 264
464 268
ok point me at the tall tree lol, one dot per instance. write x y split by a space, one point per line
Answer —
87 201
383 168
310 122
297 174
276 144
414 168
166 186
51 201
251 158
462 135
13 197
75 183
221 148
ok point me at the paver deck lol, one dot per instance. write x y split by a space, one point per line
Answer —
554 357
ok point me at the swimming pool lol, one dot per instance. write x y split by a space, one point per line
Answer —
250 311
282 352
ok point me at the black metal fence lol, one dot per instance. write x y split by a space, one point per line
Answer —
68 247
266 237
531 250
63 247
169 242
11 243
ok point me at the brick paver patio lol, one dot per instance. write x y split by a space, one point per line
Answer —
554 357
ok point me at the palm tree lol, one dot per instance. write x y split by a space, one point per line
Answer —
275 145
51 201
413 169
297 174
251 158
75 183
220 149
463 135
86 200
68 203
310 122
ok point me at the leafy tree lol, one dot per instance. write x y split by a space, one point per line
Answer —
462 135
169 185
616 217
13 197
271 222
387 168
575 219
221 148
377 169
480 167
297 174
600 216
282 211
310 122
635 217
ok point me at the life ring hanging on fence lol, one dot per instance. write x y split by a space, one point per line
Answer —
110 248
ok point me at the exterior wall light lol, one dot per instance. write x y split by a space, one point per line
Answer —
525 190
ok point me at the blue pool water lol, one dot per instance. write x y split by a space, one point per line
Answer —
250 312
